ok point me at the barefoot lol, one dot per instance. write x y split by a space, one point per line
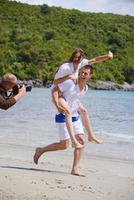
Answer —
94 139
37 155
76 173
76 145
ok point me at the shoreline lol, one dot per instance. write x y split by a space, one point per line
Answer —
98 85
92 153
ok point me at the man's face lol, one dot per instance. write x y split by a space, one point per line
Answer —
85 74
77 58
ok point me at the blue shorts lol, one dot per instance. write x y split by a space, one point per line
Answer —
62 129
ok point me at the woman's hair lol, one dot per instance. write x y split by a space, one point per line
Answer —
78 50
75 52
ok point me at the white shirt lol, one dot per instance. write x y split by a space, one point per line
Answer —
72 95
67 69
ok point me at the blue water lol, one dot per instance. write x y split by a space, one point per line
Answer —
31 122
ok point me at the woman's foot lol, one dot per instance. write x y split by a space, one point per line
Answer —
77 145
37 155
94 139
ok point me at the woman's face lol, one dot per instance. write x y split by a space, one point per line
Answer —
77 58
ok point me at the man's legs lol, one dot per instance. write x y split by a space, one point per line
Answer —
77 157
87 124
63 144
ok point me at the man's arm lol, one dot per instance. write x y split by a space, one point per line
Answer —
7 103
55 98
21 93
101 58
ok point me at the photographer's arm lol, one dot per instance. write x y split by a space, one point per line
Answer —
21 93
6 103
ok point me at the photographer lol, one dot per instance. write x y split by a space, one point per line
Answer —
7 96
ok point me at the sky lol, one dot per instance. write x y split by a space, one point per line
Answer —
123 7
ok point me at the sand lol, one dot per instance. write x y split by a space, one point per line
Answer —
20 179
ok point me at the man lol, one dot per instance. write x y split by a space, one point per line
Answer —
70 70
7 83
72 93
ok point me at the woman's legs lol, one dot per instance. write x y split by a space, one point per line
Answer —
87 124
69 124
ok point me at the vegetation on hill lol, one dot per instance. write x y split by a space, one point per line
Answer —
35 40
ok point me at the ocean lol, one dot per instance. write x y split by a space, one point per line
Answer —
30 123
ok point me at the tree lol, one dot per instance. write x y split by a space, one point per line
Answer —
45 9
129 74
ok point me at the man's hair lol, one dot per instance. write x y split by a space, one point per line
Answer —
89 67
75 52
9 78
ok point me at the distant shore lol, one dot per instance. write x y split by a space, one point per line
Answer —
108 85
99 85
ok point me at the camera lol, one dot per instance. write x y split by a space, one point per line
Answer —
16 88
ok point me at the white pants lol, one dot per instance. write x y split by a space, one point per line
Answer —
63 132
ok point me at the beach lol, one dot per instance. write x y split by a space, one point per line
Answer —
109 167
21 179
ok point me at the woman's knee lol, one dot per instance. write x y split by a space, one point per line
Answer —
82 110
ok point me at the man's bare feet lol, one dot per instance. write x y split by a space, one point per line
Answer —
94 139
76 145
37 155
77 173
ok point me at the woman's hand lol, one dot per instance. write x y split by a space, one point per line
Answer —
110 55
73 78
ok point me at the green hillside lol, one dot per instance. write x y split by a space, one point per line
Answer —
34 40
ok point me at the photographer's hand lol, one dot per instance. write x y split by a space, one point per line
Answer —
21 93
